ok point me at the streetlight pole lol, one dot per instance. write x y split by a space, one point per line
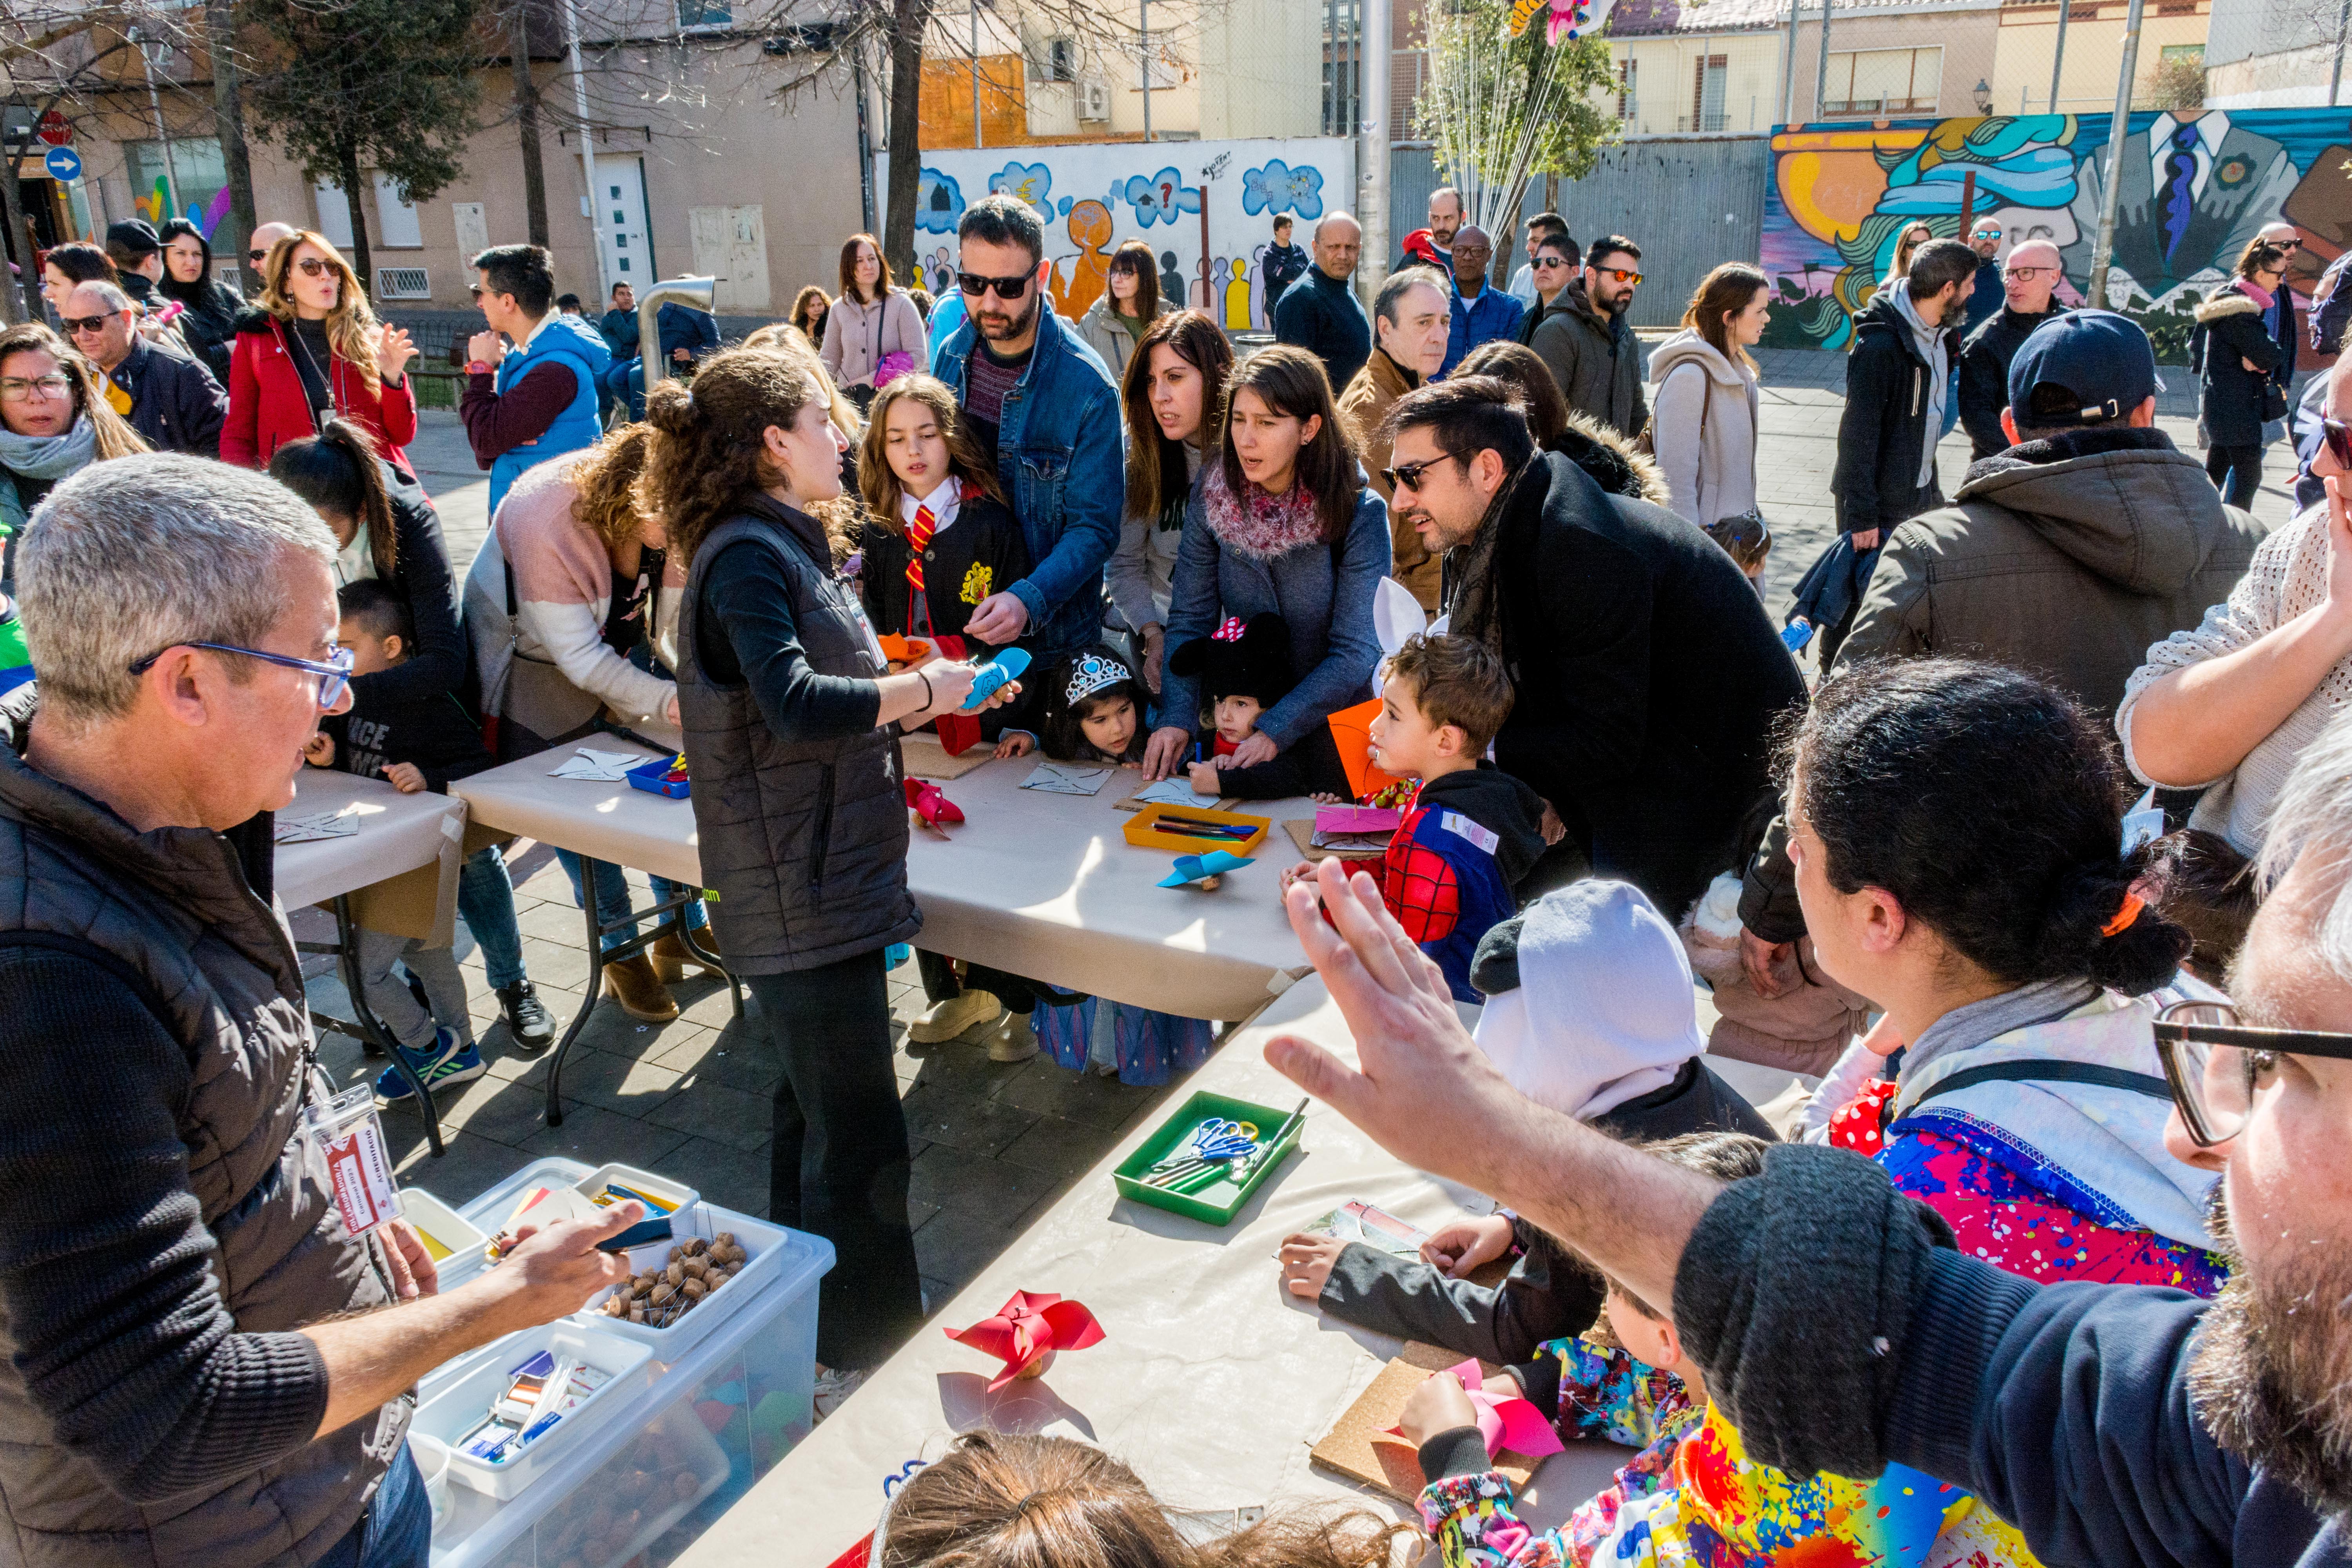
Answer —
1143 57
2118 129
2058 56
1372 153
587 148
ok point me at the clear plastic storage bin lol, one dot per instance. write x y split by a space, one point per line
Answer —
452 1400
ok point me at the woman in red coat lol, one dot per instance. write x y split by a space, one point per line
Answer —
313 351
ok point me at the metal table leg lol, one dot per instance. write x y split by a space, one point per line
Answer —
599 955
345 950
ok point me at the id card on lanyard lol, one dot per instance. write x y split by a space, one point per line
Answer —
359 1171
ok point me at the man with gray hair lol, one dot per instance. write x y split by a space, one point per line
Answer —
1411 319
1320 313
169 397
201 1360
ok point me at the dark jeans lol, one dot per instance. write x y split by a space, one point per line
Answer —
2236 472
396 1532
613 897
940 984
485 901
839 1165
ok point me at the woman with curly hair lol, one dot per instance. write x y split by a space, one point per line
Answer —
54 421
312 349
810 307
1010 1499
791 722
572 607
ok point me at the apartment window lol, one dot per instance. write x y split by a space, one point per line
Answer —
1706 95
1629 95
202 175
2195 52
1058 60
701 15
1884 81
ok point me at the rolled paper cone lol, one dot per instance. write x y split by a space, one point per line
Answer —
1036 1368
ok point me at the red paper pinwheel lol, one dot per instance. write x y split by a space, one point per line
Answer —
924 799
1507 1419
1028 1330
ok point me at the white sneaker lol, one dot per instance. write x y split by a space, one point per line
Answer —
1013 1041
833 1387
946 1020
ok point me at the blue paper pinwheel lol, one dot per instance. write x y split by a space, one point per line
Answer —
1203 869
1006 667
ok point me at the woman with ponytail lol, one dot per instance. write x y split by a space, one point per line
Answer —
792 722
1957 831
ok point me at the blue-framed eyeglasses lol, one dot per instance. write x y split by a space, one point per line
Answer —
334 674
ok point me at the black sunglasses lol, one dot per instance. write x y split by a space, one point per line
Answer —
81 323
1407 475
2339 436
1007 289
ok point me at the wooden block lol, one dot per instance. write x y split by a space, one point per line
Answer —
1302 833
926 759
1358 1446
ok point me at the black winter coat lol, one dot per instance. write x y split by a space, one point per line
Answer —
175 402
436 664
208 320
1884 429
1984 376
2230 332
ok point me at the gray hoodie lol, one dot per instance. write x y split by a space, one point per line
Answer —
1938 372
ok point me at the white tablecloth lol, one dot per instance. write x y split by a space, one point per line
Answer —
1037 884
401 867
1213 1382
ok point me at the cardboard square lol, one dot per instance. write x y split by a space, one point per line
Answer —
1356 1446
926 759
1302 833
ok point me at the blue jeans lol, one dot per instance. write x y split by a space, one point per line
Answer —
398 1530
485 901
613 897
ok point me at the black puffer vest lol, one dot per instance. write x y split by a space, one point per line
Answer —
803 842
173 906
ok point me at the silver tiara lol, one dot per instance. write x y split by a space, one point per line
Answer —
1093 673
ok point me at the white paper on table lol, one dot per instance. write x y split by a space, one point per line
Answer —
608 767
306 830
1176 792
1067 778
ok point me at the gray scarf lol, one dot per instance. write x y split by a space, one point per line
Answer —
41 457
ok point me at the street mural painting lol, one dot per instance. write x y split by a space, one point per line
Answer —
2195 186
1096 197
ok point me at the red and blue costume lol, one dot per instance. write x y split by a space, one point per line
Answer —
1465 841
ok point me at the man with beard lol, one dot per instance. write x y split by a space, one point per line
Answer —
2112 1424
1047 414
1645 675
1584 342
2027 280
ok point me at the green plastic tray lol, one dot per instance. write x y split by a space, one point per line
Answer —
1218 1203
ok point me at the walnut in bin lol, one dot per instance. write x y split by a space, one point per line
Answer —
659 1297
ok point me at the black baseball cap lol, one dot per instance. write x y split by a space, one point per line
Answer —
2086 367
133 235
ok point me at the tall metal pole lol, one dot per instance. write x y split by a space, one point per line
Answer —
1372 155
1821 71
1788 67
2118 129
2336 72
2058 56
156 107
975 73
587 147
1143 52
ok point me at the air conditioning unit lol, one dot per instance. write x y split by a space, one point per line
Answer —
1094 100
401 283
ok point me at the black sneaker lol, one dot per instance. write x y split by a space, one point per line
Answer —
527 1021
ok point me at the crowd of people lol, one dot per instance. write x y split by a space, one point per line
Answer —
1921 878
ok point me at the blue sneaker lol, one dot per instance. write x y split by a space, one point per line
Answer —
449 1063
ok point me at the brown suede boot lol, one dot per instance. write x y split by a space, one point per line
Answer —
633 984
671 956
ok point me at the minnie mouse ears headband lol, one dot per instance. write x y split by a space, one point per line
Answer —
1092 674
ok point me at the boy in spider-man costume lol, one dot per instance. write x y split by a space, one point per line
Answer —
1469 833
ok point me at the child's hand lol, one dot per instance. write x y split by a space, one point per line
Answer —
406 778
1013 744
1203 778
1306 1263
1461 1245
320 752
1437 1405
1304 868
1325 797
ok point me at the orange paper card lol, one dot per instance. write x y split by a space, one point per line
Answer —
1352 728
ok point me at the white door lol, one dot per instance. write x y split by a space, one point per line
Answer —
628 245
730 246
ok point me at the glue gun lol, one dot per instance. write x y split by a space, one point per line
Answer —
993 677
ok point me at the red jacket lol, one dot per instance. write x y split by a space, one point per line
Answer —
267 408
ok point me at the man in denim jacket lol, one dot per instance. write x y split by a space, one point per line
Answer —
1043 406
